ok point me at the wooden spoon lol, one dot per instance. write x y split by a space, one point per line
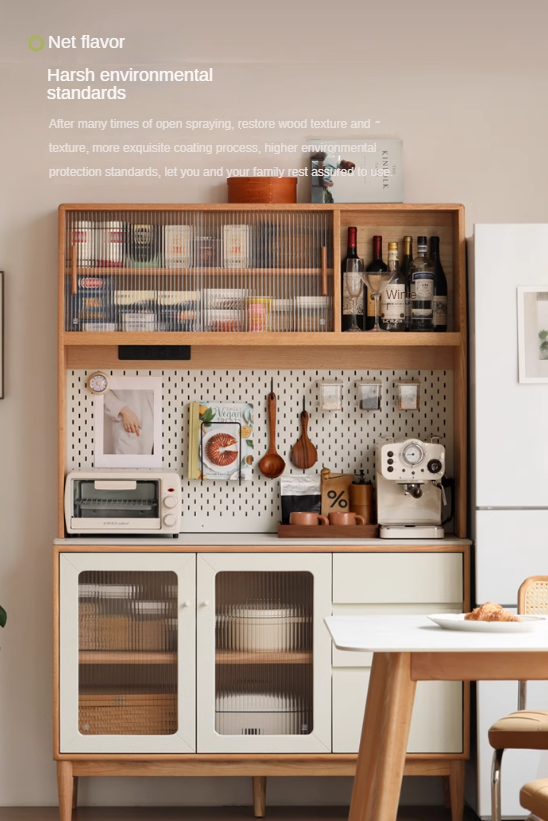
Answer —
272 465
304 455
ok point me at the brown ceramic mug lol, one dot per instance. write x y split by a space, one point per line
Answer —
345 519
307 519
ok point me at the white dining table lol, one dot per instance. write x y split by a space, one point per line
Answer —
407 649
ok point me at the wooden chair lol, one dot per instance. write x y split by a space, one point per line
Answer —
526 729
534 797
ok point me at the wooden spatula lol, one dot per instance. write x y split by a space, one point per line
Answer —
304 455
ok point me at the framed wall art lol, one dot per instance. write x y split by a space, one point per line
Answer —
533 333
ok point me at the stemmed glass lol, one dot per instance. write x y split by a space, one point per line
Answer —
354 284
377 281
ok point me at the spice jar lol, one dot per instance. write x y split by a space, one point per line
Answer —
313 314
258 313
83 243
282 315
369 393
110 244
407 393
330 395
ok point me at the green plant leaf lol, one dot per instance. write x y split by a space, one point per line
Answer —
249 443
542 334
208 416
3 617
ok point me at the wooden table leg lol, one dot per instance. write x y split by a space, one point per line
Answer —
259 795
366 768
65 789
456 787
381 760
74 792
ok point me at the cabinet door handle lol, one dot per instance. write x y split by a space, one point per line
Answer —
185 604
205 603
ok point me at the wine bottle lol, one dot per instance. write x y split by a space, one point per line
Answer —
349 302
439 306
422 289
393 297
376 264
405 265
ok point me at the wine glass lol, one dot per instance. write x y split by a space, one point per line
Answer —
354 284
377 281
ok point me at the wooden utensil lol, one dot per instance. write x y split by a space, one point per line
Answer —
272 465
304 455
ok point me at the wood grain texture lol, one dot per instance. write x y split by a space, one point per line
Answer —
263 339
207 764
328 531
237 657
399 696
479 666
259 796
65 789
303 453
276 547
456 789
94 357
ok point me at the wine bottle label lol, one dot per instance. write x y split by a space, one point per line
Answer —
421 313
423 284
439 306
370 300
352 304
393 303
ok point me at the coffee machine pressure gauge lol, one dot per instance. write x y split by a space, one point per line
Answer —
412 454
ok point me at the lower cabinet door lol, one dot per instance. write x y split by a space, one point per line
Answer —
436 726
264 653
127 652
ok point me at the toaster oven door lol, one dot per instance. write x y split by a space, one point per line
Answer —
111 504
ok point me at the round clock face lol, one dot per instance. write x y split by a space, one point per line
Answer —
98 382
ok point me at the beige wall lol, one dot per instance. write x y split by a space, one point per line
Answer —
464 85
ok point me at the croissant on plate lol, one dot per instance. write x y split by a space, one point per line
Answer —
490 612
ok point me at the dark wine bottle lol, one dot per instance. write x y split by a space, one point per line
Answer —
406 261
440 287
349 302
376 264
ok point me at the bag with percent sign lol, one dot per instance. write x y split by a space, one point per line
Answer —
335 492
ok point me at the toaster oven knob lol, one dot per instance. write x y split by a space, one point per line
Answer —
169 519
170 501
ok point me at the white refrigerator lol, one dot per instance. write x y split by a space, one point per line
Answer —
509 458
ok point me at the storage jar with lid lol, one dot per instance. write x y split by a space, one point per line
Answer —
110 241
330 395
313 314
282 316
258 313
369 394
83 243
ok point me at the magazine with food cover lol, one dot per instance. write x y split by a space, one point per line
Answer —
220 441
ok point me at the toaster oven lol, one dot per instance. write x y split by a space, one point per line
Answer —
123 501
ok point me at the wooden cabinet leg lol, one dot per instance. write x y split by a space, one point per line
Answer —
65 788
456 789
259 795
446 791
74 792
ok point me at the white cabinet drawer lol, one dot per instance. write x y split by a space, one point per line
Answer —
436 726
371 578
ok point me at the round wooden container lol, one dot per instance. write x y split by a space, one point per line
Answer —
262 189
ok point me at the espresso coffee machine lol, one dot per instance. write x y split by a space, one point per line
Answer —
410 493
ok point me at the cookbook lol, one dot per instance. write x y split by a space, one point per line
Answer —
220 441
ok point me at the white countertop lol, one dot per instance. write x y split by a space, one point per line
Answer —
417 634
249 539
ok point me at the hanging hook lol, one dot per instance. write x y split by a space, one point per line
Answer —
271 384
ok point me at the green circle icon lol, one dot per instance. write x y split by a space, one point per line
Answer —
40 45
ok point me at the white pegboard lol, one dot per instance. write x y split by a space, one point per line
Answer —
345 440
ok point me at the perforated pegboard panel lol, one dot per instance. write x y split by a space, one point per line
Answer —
345 440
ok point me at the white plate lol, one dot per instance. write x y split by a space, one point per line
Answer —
456 621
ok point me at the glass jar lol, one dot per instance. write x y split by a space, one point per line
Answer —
407 393
258 313
369 394
330 395
313 314
110 244
282 316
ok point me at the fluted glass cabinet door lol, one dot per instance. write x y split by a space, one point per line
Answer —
127 656
264 658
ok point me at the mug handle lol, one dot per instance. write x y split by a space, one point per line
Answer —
323 520
359 519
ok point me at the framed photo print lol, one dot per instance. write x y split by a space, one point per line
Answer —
533 333
128 423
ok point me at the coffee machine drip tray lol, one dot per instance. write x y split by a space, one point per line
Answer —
411 531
